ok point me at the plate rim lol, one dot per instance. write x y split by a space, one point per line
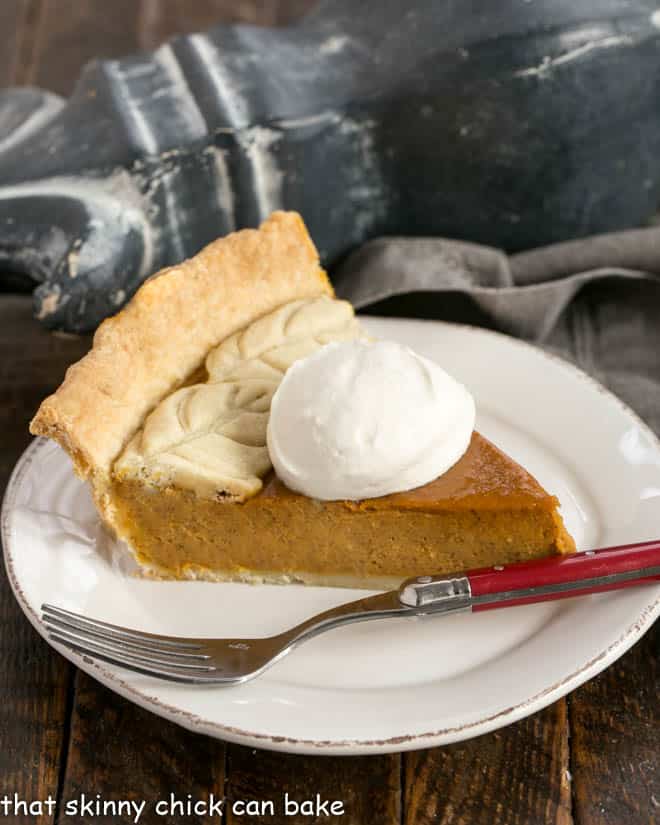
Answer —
427 739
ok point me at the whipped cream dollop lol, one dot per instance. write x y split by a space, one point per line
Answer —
363 419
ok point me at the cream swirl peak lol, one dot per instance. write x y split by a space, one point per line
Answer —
358 420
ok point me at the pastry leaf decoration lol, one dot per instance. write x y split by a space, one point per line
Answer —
211 437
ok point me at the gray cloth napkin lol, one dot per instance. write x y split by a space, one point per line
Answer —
595 301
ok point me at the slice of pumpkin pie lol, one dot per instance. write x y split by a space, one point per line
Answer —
167 418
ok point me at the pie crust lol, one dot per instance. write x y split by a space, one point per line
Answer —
166 418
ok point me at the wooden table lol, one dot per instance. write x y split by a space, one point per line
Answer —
589 758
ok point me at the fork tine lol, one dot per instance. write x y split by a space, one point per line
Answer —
103 636
137 664
121 633
170 674
145 656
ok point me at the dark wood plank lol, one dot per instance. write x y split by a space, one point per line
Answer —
32 364
369 786
27 39
516 776
290 11
20 23
34 680
12 14
160 19
615 726
76 31
34 685
122 752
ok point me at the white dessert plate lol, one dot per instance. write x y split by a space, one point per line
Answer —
386 685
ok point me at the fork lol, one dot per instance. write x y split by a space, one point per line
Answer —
231 661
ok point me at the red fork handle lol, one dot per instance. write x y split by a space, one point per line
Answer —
560 577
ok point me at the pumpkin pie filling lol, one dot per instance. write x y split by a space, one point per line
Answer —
167 418
485 510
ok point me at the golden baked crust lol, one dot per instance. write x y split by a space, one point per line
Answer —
164 333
